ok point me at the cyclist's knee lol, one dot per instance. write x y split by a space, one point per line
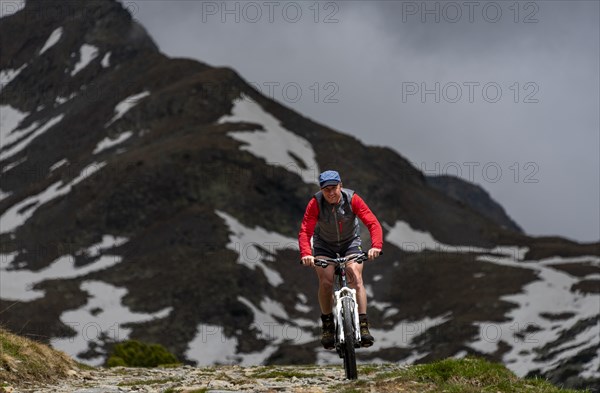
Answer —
356 282
358 285
326 284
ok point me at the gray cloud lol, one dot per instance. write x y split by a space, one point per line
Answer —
512 106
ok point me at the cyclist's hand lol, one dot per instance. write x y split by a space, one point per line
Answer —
373 253
308 260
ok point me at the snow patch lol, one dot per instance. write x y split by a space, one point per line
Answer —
104 313
551 294
590 370
13 164
87 53
403 334
211 346
10 118
413 240
18 285
107 142
593 260
4 195
255 246
301 305
61 100
106 60
58 164
275 144
107 242
390 312
18 214
19 134
125 105
512 252
23 143
11 7
52 39
7 76
408 239
268 322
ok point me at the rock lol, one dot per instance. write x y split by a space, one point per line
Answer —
219 384
191 389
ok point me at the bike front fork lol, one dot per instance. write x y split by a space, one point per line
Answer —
338 315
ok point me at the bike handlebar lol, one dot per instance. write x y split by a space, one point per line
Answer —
324 262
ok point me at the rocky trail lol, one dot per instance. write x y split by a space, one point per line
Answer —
187 379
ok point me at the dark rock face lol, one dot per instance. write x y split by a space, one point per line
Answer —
125 170
474 197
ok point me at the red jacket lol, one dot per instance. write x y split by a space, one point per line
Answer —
312 218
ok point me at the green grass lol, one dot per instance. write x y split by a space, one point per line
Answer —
8 346
132 353
368 369
477 375
469 375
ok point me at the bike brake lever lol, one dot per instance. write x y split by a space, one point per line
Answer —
321 264
364 257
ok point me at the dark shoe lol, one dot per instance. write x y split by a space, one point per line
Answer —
328 335
366 340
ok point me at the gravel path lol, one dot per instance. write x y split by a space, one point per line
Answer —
188 379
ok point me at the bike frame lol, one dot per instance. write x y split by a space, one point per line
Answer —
340 290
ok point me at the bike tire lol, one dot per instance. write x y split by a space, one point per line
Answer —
348 346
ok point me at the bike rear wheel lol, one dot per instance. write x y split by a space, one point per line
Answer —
348 346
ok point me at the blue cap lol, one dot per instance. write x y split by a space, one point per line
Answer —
329 178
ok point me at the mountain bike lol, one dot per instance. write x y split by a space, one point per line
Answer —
345 311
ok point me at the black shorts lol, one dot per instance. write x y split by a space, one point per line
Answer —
322 249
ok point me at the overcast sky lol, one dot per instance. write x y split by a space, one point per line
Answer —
505 93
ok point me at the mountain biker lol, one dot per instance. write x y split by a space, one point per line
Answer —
331 219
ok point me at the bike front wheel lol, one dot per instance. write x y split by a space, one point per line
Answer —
348 346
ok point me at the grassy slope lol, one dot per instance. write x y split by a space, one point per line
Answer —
25 361
452 375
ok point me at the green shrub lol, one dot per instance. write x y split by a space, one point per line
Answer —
134 353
